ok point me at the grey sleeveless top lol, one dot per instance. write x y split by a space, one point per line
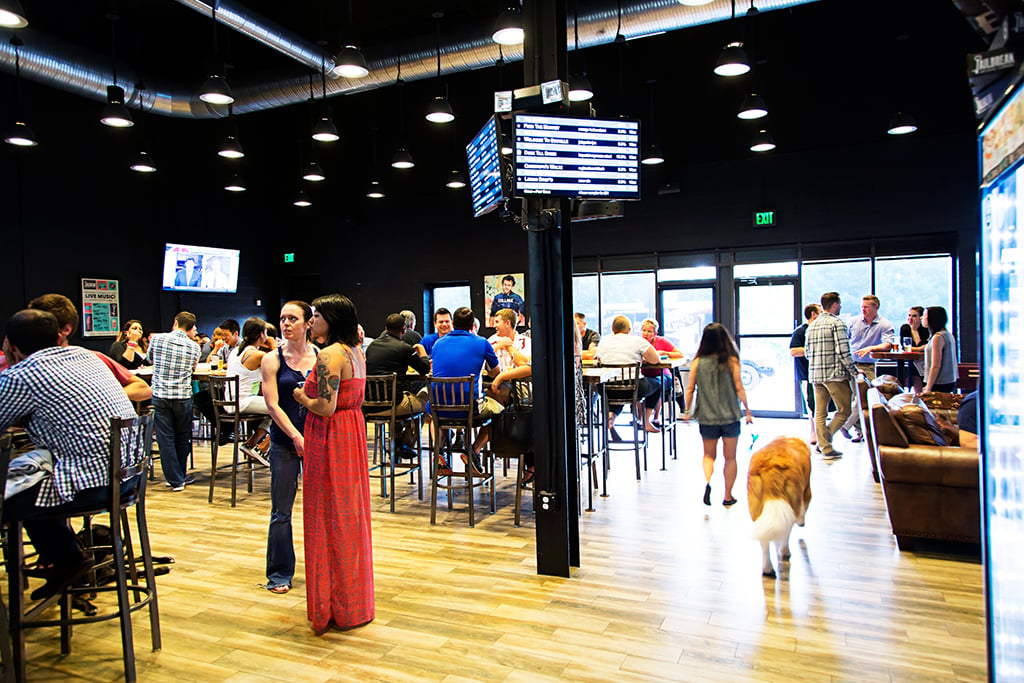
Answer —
716 402
947 364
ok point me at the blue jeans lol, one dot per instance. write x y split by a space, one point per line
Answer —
284 482
172 421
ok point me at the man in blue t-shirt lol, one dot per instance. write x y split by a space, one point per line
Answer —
508 299
442 326
460 353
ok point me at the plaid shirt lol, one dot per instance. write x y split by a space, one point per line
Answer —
827 349
174 358
65 398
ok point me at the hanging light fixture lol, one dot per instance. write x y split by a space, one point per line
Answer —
115 114
902 124
506 145
652 155
753 107
733 61
402 159
508 29
235 184
215 88
12 15
323 129
440 110
350 62
580 89
231 148
20 134
375 190
763 142
313 173
144 164
302 200
455 181
694 3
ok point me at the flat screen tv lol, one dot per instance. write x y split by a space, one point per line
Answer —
559 156
200 269
484 156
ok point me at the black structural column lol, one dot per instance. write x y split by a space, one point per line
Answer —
550 289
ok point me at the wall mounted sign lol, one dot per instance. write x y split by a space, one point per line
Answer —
766 219
101 306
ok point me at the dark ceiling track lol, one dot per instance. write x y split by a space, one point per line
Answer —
55 63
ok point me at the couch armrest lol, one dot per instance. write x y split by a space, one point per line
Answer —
932 465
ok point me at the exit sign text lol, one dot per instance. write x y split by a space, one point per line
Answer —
289 258
765 219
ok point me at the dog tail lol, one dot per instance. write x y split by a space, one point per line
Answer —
776 521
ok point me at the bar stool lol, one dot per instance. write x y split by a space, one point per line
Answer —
6 652
380 408
622 391
129 450
224 393
453 407
508 446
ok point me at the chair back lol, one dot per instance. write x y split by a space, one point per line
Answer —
224 392
451 398
379 399
967 378
131 445
622 390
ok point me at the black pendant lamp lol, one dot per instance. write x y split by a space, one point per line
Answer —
12 15
215 89
115 114
763 142
753 107
402 158
375 190
440 110
323 128
508 28
580 89
19 134
350 62
144 162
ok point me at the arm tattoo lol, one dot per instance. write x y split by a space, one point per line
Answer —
326 384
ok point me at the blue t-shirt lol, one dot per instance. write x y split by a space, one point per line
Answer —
511 300
463 353
429 341
967 416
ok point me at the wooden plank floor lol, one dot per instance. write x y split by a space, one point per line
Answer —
669 590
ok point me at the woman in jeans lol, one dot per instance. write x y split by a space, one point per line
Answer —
283 370
715 374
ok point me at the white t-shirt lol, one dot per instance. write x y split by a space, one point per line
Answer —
248 380
520 342
621 349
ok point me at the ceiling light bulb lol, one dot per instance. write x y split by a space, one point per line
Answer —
231 148
302 200
440 111
144 164
506 145
115 114
375 191
235 184
20 135
313 173
402 159
455 180
902 124
12 15
694 3
216 90
580 89
508 29
652 156
324 130
753 107
763 142
733 61
350 63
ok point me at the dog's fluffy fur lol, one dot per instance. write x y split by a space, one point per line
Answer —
778 493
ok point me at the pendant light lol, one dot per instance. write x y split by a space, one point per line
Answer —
215 88
402 158
694 3
580 89
235 184
350 62
324 129
508 29
455 180
12 15
652 155
733 61
440 110
144 162
753 107
375 189
302 200
763 142
115 114
313 173
230 147
20 134
902 124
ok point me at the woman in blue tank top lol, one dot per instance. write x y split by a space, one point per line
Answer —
283 371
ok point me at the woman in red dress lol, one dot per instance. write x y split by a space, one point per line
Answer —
336 486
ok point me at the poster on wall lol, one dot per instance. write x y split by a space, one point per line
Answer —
505 290
101 304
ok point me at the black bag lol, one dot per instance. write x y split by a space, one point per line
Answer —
512 431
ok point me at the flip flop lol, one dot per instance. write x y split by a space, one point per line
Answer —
731 501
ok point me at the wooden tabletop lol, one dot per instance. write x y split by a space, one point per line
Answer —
898 355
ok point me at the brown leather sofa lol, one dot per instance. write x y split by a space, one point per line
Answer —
930 491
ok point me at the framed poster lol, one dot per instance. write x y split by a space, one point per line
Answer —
101 305
506 290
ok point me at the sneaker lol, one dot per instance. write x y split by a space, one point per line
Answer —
255 454
857 436
443 468
831 455
179 487
846 433
189 480
478 468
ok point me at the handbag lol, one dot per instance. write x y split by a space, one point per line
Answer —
512 429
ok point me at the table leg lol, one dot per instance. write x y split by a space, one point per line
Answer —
606 451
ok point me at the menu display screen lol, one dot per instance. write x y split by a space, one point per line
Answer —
484 158
569 157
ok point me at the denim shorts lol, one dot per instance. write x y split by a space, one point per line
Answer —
726 431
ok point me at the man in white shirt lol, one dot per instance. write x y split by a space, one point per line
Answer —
514 353
622 348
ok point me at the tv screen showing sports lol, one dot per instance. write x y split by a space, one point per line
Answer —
200 269
560 156
484 156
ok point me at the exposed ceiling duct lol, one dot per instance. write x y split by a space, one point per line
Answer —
55 63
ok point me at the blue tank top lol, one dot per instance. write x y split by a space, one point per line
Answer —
288 379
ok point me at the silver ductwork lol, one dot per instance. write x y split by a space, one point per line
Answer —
53 62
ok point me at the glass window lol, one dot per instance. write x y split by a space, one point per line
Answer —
922 281
450 297
687 274
764 269
584 298
686 312
852 279
628 294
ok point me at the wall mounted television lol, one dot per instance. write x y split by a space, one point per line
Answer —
560 156
200 269
484 156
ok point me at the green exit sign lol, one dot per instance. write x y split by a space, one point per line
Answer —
765 219
289 258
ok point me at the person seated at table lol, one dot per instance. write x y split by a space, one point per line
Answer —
229 339
622 348
127 349
389 353
940 366
918 335
244 363
514 352
967 421
64 397
460 354
209 346
665 349
442 326
588 338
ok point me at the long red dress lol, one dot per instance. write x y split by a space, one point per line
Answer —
336 512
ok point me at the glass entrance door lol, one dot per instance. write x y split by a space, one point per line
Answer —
685 310
767 311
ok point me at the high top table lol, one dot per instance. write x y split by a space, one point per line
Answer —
903 360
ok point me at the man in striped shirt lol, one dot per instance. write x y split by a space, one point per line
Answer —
174 357
830 370
64 396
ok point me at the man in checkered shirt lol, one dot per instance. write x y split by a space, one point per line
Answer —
830 370
64 396
174 357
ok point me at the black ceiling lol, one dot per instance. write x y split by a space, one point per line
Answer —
833 73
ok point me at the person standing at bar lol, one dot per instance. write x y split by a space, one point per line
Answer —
174 357
869 332
830 370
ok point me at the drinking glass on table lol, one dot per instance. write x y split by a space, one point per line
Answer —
908 342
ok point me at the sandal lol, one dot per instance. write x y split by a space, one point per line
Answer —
279 590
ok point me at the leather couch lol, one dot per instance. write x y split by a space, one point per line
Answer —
930 491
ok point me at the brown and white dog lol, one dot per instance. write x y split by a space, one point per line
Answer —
778 493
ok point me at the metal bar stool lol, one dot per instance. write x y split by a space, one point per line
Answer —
380 408
623 391
224 393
